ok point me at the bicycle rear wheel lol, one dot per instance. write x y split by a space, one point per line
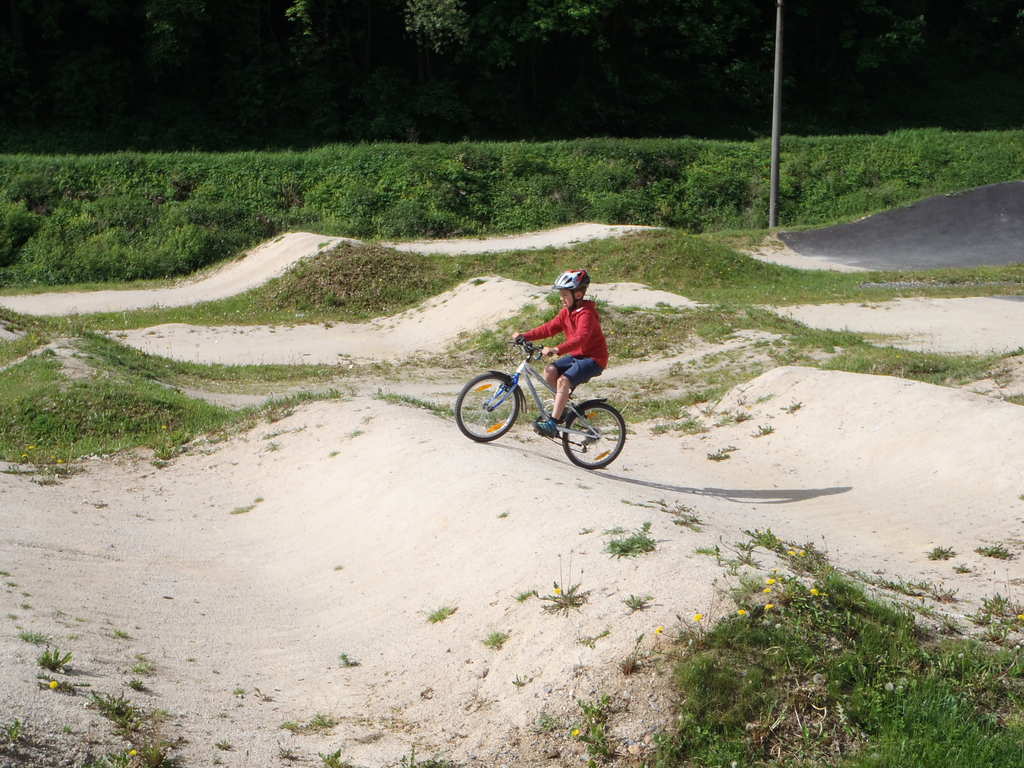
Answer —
595 437
487 407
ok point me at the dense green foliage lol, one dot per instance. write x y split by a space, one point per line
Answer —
78 75
128 216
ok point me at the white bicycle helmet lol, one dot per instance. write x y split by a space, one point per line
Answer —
572 280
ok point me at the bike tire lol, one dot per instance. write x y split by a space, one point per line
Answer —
487 407
602 451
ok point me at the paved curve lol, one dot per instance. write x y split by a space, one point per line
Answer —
981 226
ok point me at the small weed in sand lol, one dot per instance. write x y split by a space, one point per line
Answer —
333 760
53 660
142 666
242 510
638 602
638 543
13 731
723 453
120 711
522 597
224 746
763 430
316 724
347 661
503 515
496 640
962 568
546 723
942 553
636 657
519 681
441 613
593 730
288 755
793 407
121 635
136 685
410 761
36 638
591 642
683 515
563 599
997 551
584 531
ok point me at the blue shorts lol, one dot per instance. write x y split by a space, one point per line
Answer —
578 369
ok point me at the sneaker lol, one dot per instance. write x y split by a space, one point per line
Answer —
547 427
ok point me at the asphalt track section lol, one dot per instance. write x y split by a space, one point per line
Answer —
981 226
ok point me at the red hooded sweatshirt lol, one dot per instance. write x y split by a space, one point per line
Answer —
582 329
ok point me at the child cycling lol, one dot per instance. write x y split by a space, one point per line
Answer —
584 353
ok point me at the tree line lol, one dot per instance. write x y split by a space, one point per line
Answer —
231 74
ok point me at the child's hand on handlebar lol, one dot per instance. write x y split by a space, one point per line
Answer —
516 336
549 351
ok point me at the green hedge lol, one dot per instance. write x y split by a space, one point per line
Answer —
126 216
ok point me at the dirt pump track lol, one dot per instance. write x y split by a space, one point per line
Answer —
243 569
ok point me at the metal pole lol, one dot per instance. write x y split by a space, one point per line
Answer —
773 198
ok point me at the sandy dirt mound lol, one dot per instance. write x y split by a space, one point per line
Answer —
470 306
244 570
274 258
560 237
978 325
774 251
265 262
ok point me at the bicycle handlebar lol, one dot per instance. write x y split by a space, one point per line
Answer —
531 350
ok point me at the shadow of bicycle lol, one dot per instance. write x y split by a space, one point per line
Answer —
741 496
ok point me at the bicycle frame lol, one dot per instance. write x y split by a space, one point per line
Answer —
518 381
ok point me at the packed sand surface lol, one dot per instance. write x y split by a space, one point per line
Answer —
976 325
431 326
244 569
236 579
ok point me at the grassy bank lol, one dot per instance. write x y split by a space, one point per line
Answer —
50 417
67 219
813 670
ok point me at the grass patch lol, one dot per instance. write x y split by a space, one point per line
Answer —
638 543
442 613
831 676
444 411
496 640
49 420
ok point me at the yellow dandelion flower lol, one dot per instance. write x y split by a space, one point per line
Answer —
575 732
163 426
801 553
741 612
814 591
769 606
791 552
1020 616
698 617
558 591
767 589
54 684
60 461
133 752
659 630
769 581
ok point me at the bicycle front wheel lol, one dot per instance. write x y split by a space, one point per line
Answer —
594 435
486 408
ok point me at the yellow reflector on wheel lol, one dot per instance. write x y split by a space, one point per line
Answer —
601 455
495 427
483 387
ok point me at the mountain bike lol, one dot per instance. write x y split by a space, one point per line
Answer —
592 434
